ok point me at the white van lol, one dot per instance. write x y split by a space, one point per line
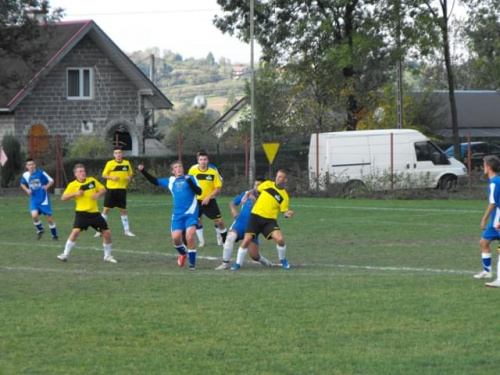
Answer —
380 160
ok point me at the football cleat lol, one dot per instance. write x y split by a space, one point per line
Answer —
39 234
181 260
284 264
129 234
494 284
483 275
223 266
236 267
55 238
201 244
62 257
97 234
110 259
191 267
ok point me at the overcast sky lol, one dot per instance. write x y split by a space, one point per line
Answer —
183 27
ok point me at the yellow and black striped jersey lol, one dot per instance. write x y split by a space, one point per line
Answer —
121 170
208 180
271 201
85 202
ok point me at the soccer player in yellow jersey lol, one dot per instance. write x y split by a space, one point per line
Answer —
272 199
117 173
211 184
86 191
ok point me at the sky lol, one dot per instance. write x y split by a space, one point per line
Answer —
184 27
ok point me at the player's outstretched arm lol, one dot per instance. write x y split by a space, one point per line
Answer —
145 173
197 190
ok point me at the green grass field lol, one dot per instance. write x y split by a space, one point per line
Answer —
376 287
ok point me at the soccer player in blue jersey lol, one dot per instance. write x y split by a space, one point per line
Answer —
184 189
490 221
36 183
237 230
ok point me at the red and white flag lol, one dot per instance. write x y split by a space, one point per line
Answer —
3 157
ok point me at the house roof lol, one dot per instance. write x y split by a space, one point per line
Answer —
475 109
63 37
230 113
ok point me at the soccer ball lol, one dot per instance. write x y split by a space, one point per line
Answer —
199 102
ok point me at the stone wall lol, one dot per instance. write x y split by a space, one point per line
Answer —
115 100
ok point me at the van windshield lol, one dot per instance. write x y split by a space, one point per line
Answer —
428 151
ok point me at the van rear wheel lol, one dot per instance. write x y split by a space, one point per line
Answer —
354 188
448 182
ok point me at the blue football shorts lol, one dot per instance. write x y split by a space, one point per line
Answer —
183 221
490 233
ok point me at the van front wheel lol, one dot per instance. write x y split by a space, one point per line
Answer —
448 182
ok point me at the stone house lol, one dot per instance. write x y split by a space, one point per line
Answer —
84 85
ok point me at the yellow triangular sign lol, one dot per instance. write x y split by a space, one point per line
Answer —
271 149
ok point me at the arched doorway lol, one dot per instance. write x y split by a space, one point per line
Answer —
125 136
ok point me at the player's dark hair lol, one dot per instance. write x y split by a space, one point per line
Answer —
493 162
260 179
30 159
117 148
201 153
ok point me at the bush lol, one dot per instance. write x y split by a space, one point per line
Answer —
14 166
90 146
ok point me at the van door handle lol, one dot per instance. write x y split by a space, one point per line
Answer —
407 166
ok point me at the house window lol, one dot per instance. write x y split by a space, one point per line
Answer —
80 83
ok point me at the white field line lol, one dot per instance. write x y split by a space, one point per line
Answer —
439 210
211 258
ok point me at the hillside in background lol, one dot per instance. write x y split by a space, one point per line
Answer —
220 82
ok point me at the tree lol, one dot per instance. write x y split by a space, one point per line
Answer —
328 49
18 30
14 165
192 127
483 35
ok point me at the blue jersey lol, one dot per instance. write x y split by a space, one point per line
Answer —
490 233
494 197
246 209
35 181
184 198
240 224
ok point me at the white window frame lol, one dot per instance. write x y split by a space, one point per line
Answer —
81 95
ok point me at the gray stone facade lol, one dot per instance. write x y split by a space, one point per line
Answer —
115 106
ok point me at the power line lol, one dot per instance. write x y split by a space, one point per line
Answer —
131 13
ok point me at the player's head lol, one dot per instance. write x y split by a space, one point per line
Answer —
30 165
202 158
491 163
280 178
118 154
258 181
177 168
79 172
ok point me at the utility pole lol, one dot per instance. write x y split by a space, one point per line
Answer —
399 68
152 111
251 174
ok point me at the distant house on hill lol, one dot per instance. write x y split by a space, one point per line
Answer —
240 71
84 85
231 118
478 113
